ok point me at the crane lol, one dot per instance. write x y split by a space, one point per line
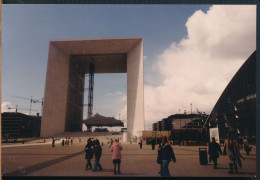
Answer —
31 101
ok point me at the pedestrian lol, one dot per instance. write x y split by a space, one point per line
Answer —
165 155
62 143
71 141
97 153
89 153
116 149
246 146
214 150
141 144
53 142
231 148
240 143
179 141
111 142
153 144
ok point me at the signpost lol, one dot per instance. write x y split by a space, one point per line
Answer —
213 132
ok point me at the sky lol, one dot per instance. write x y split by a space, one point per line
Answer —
191 52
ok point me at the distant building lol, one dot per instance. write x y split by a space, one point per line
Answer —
148 136
178 121
101 121
184 127
18 125
154 126
159 126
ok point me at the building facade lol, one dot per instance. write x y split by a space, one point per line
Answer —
18 125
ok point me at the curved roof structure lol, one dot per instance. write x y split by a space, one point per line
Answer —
236 107
98 120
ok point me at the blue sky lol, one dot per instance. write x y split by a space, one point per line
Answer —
27 30
191 52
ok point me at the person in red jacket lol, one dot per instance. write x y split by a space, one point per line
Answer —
116 149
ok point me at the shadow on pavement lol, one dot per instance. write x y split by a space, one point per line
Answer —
25 171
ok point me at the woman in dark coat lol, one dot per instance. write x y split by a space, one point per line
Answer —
89 153
214 150
98 153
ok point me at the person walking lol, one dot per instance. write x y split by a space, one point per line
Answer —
97 153
71 141
153 144
165 155
214 150
246 146
111 143
116 149
62 143
53 142
231 148
89 153
141 144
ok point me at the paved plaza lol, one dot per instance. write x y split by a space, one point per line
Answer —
40 159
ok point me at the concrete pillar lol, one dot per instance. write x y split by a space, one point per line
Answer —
135 91
56 89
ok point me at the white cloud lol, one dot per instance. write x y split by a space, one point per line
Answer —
123 115
5 105
117 93
123 98
197 69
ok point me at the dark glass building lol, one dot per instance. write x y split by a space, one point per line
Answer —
18 125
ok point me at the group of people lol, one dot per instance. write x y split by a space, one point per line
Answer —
166 154
231 148
94 149
111 141
67 141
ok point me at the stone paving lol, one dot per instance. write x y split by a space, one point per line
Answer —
43 160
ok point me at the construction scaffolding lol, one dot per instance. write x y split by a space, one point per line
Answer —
90 90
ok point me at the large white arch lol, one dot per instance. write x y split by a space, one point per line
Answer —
68 61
